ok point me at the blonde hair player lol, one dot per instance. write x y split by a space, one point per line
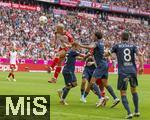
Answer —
64 40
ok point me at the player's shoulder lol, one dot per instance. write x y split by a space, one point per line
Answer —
126 44
98 44
116 45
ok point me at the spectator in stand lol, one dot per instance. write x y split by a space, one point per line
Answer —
143 5
34 41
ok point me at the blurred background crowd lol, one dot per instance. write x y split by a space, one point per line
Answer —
22 28
142 4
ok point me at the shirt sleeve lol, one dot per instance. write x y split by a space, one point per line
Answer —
114 49
76 53
70 37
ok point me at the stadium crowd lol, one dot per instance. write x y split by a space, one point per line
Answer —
22 28
140 4
143 5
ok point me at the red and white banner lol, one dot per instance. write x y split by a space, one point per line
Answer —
118 9
124 20
85 15
144 12
5 4
134 11
69 2
28 65
59 12
52 1
133 21
97 5
38 68
19 6
43 68
85 4
115 19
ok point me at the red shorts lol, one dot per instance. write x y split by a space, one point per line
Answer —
65 49
12 66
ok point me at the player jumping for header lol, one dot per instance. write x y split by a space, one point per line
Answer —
63 39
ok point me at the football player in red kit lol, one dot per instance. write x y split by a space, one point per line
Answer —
64 40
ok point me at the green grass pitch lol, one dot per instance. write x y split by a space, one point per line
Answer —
36 84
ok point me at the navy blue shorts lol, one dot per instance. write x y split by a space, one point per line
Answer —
69 78
101 72
87 74
123 80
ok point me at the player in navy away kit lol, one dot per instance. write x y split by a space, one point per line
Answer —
127 71
86 76
101 71
68 72
89 68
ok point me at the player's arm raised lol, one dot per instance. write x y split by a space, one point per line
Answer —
91 63
81 57
111 52
91 46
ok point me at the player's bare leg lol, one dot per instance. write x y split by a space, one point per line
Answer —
57 60
86 92
135 101
125 104
64 92
97 91
83 84
102 89
59 66
111 91
60 94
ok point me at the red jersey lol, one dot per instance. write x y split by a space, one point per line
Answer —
65 38
69 36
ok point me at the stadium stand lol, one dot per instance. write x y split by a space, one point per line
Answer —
23 28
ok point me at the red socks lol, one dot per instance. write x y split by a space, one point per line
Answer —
57 71
55 62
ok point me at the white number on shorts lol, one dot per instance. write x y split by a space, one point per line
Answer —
127 54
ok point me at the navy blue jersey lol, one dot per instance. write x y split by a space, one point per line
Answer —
126 57
99 53
70 61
